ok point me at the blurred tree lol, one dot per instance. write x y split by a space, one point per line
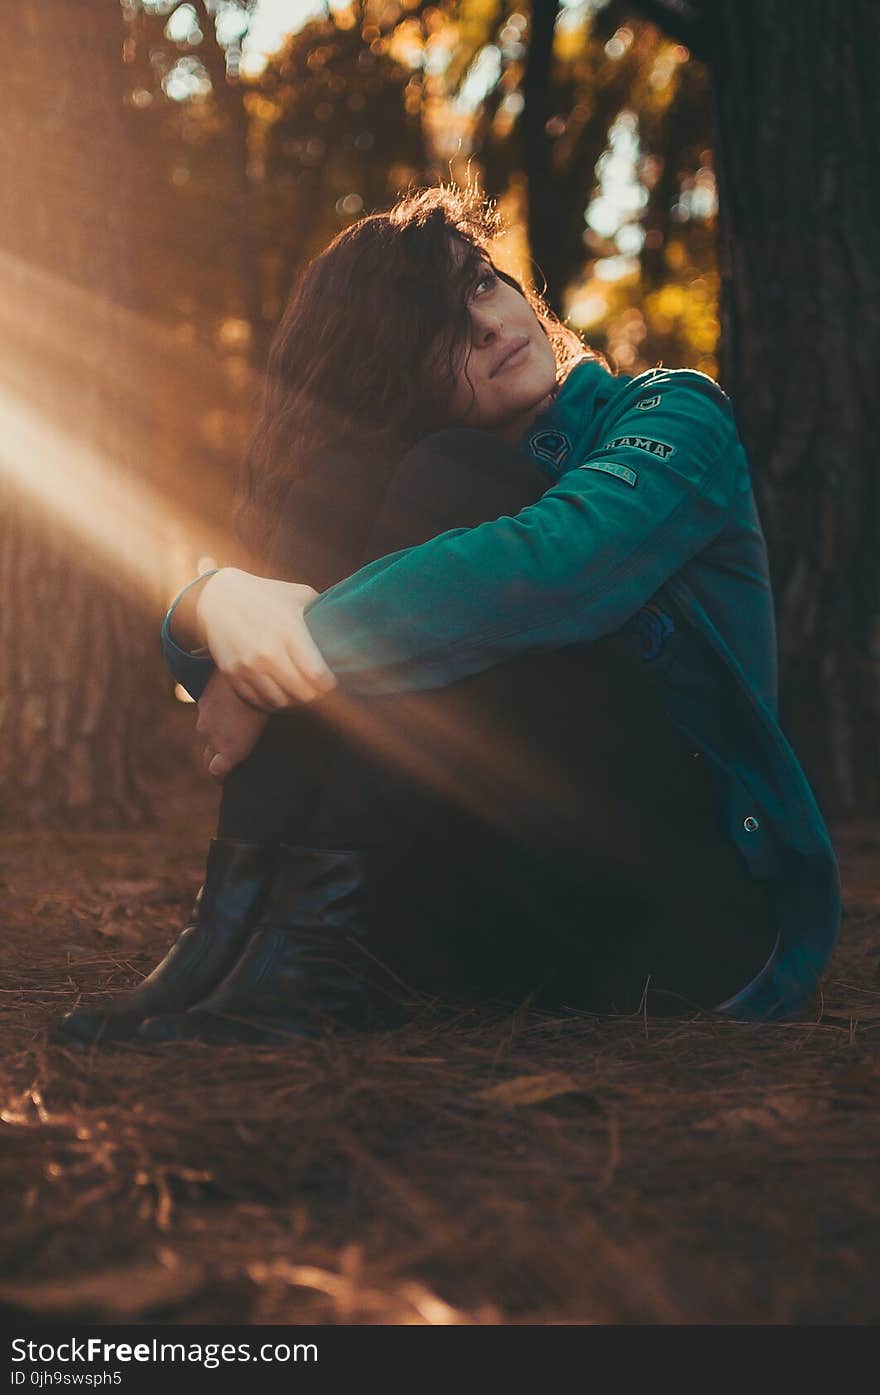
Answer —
568 110
192 178
221 64
797 112
78 666
342 135
593 128
247 169
375 94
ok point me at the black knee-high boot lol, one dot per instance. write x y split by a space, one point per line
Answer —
238 877
311 961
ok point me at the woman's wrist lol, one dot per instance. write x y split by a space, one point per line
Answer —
186 621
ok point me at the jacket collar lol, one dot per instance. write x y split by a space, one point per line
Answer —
560 432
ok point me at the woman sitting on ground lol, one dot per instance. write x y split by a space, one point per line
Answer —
545 758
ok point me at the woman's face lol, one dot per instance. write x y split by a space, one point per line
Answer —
507 374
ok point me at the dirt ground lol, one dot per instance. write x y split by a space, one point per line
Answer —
466 1168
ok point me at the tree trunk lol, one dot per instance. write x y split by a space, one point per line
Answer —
78 672
798 149
229 100
537 152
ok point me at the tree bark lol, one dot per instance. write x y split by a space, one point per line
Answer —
797 154
79 680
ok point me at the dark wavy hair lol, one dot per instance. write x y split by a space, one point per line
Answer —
366 351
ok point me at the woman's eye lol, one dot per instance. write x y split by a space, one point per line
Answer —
487 280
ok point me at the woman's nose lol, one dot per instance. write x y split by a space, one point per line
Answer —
485 326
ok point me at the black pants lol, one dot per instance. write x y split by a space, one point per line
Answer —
543 827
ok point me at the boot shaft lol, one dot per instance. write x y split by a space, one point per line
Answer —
238 878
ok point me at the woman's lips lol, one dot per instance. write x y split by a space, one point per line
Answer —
512 357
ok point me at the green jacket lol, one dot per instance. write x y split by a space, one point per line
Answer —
651 523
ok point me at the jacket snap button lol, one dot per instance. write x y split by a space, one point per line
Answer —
750 824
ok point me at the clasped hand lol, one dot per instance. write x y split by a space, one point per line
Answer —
255 630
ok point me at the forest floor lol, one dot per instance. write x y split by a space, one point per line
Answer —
463 1169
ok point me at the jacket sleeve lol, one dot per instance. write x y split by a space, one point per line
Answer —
655 490
191 671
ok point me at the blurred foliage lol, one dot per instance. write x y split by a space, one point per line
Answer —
254 147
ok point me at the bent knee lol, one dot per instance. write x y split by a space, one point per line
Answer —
457 478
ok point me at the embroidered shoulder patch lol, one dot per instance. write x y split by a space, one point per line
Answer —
646 403
658 448
550 445
611 467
